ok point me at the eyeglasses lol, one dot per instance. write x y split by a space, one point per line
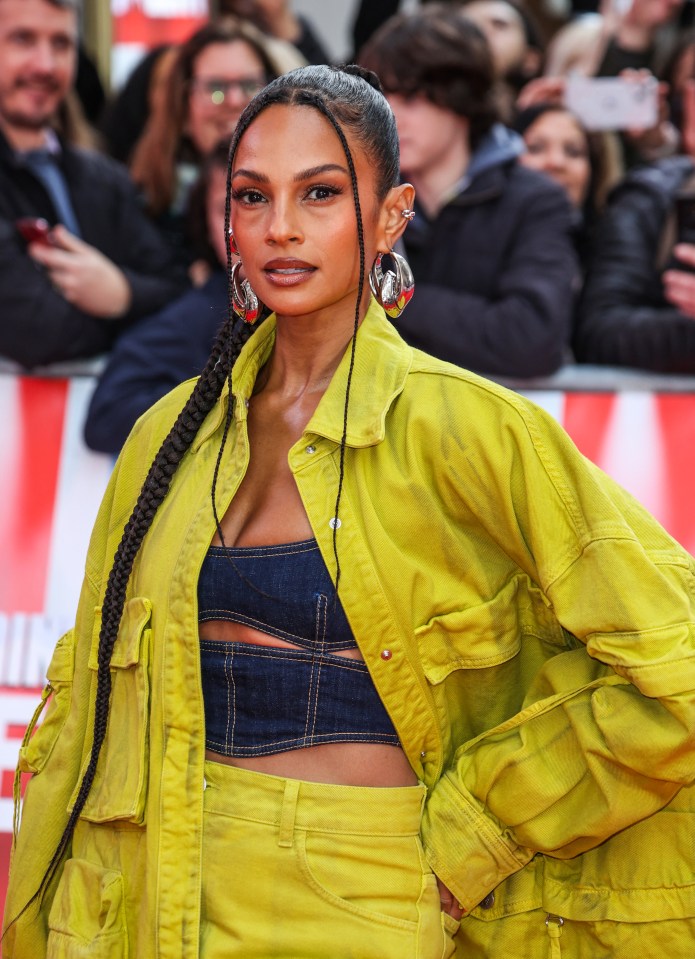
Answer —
218 90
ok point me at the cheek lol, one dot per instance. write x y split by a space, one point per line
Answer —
534 161
580 172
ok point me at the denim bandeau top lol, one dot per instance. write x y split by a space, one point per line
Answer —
264 699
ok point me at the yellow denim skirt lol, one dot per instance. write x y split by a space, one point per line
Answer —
300 870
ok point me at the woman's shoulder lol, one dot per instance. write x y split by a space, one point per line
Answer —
463 389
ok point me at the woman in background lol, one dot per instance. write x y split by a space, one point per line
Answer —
213 77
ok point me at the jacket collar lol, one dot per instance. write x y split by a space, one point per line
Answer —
11 158
382 362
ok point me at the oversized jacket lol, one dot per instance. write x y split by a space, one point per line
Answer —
540 666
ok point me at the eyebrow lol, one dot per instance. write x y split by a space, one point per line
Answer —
298 177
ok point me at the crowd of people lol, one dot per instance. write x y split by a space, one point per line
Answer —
543 235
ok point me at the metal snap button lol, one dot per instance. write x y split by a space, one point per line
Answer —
335 523
488 902
386 654
310 449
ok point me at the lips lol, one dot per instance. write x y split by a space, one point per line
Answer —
288 272
287 267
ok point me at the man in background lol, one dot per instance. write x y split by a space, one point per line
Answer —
68 285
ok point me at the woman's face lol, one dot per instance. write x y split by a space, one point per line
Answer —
557 146
293 213
226 76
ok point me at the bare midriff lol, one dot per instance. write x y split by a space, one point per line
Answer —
266 513
346 764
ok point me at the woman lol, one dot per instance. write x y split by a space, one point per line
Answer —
214 76
580 162
429 555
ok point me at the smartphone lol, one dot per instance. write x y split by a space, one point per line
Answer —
613 103
35 230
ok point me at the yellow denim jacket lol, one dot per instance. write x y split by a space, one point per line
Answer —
527 624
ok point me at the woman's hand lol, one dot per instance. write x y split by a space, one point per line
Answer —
541 90
448 901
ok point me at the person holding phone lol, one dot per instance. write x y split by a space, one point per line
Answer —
90 263
638 302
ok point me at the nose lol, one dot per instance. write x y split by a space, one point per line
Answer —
44 58
283 223
556 159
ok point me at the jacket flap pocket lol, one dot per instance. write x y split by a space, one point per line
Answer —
62 665
88 907
473 638
126 651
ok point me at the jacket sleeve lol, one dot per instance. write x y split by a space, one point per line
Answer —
55 752
522 331
623 318
606 734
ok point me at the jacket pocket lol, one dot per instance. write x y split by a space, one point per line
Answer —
119 790
87 918
37 748
473 638
491 633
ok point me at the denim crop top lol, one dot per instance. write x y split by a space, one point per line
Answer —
261 700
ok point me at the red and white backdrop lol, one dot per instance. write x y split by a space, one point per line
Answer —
139 25
51 485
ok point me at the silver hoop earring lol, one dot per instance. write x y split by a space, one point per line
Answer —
393 290
244 301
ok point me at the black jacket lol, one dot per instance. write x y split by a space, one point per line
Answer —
624 319
152 358
37 325
495 271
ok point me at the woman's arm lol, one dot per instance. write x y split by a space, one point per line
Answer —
606 734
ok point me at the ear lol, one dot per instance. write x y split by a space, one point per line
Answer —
392 222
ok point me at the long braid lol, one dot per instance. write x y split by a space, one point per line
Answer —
218 370
154 489
240 331
312 100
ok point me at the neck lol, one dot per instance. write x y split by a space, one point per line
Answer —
308 351
434 184
22 138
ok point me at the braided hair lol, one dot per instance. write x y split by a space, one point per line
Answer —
350 96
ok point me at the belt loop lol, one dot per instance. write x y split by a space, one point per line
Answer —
288 814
